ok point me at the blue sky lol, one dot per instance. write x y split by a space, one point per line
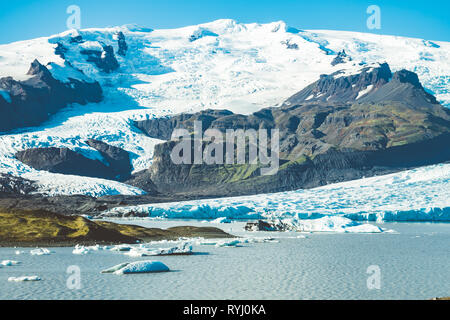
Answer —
21 20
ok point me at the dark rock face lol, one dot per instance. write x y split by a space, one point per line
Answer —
123 47
76 39
290 45
320 142
117 158
162 128
405 87
200 33
61 50
15 185
341 57
104 60
338 88
66 161
32 101
261 226
143 181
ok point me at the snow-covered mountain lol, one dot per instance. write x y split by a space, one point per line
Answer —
219 65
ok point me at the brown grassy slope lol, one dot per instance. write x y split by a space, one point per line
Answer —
33 228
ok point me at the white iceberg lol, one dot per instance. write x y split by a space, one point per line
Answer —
24 278
143 251
82 250
40 252
121 248
8 263
238 241
336 224
138 267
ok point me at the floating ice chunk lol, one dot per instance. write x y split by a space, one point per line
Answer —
183 249
330 224
138 267
24 278
8 263
221 220
85 250
229 243
116 268
121 248
40 252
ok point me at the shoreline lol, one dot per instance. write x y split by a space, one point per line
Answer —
28 229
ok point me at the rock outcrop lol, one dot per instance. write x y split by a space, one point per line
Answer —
104 60
115 165
15 185
123 47
34 100
341 57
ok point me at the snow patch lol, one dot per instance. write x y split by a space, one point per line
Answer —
364 91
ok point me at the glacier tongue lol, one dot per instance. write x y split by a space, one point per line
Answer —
421 194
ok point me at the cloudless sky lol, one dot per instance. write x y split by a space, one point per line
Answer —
21 20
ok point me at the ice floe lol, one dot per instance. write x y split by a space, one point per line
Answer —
144 250
24 278
8 263
138 267
40 252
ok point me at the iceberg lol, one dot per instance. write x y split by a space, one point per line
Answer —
82 250
40 252
143 251
24 278
8 263
138 267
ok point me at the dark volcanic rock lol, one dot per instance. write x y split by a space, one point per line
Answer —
104 60
339 88
65 161
76 39
341 57
142 180
162 128
261 226
123 47
118 159
116 165
15 185
61 50
32 101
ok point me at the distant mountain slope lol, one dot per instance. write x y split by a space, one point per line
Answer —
327 135
146 74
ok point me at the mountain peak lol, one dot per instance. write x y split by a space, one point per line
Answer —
405 76
37 68
343 86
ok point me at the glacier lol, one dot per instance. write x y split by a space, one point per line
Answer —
421 194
